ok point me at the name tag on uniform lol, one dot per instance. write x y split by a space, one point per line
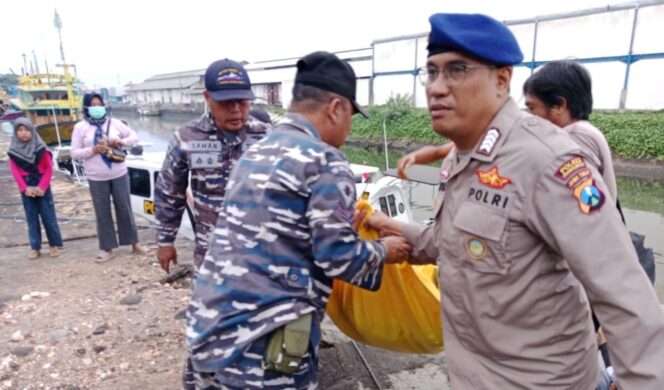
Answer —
204 160
204 146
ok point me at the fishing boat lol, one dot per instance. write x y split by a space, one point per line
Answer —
51 101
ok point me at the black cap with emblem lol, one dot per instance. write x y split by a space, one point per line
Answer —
326 71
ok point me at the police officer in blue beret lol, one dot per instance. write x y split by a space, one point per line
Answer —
520 232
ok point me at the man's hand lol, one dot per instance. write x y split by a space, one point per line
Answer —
166 255
398 249
378 221
387 232
403 164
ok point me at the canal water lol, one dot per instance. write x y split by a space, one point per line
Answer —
642 200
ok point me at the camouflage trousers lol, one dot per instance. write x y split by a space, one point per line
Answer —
248 373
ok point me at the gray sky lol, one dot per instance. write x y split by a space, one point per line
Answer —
121 41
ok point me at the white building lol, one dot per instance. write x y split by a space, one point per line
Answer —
168 88
273 80
620 45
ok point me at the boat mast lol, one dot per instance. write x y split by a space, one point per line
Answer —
25 66
34 57
69 78
58 24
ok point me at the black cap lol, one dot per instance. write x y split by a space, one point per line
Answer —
326 71
228 80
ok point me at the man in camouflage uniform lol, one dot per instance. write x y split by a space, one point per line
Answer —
284 232
207 147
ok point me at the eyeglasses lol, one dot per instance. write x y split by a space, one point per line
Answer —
453 74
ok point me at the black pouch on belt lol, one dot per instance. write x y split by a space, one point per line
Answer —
287 345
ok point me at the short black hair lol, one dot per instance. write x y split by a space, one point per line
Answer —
302 92
560 80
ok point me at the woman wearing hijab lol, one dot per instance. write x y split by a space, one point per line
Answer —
91 142
31 165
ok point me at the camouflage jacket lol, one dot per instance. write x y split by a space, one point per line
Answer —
284 231
209 155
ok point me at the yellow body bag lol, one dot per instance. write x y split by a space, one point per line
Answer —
403 315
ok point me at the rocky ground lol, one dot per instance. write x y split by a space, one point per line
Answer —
70 323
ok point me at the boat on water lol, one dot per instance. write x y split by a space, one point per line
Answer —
51 101
148 110
384 193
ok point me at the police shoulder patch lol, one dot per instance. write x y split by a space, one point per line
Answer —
569 167
589 196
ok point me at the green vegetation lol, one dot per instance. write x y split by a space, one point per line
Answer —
371 157
631 134
402 121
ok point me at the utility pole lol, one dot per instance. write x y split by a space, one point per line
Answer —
58 24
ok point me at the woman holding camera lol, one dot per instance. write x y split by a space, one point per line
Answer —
98 140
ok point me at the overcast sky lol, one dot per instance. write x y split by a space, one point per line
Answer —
122 41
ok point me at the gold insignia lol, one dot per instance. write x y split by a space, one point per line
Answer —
569 167
578 177
492 178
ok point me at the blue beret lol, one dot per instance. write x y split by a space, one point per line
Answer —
478 35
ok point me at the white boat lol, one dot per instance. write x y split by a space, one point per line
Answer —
384 193
148 110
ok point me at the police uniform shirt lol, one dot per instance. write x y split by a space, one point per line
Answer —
525 225
209 155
